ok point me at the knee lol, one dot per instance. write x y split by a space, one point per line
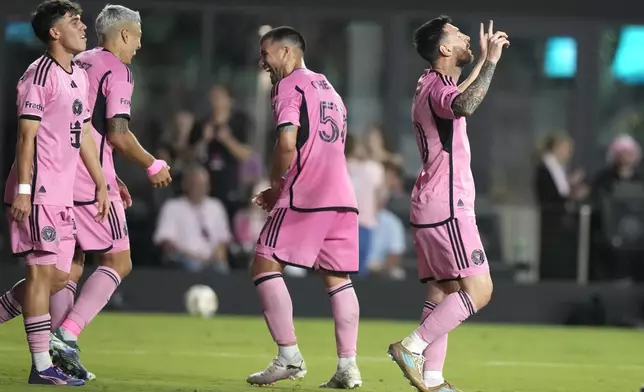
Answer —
479 288
262 265
59 281
120 262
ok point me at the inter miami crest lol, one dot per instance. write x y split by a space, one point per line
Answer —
48 234
77 107
478 257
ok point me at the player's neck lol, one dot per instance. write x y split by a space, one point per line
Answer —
450 70
114 50
294 66
61 56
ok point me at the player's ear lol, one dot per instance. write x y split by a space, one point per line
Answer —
125 35
445 51
54 34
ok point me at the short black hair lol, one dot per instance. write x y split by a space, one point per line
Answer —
48 13
427 38
285 33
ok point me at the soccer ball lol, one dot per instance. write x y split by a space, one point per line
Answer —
202 301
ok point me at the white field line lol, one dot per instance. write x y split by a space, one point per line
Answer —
365 358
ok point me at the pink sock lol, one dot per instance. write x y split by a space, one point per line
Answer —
436 352
38 329
61 303
449 314
346 314
277 307
96 292
9 307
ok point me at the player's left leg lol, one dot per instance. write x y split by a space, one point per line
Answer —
458 254
337 259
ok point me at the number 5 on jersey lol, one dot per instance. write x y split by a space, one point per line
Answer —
331 115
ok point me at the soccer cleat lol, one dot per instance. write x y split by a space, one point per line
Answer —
53 376
279 369
410 363
347 378
444 387
65 355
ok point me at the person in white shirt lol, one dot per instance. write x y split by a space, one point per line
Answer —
193 229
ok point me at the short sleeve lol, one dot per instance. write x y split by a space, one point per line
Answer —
33 96
287 101
441 96
86 105
118 94
166 225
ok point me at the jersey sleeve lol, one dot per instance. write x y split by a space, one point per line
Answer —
286 103
88 111
118 93
34 94
441 96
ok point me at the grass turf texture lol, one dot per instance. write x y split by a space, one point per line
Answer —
178 353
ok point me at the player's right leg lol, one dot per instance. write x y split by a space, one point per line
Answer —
49 235
283 240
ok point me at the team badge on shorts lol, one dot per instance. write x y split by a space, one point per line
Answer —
478 257
48 234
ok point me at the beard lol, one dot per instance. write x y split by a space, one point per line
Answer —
464 58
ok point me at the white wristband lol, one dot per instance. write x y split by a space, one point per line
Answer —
24 189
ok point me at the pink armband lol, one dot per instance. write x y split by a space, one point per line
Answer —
156 167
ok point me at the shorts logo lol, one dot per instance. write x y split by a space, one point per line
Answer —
48 234
77 107
478 257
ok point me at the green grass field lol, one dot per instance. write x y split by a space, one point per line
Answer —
173 353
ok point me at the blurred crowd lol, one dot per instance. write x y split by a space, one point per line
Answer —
616 197
206 220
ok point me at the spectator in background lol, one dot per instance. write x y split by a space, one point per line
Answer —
193 230
388 242
375 144
221 142
609 259
556 193
367 176
174 144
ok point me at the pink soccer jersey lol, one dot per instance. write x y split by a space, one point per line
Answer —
110 95
445 186
317 179
59 100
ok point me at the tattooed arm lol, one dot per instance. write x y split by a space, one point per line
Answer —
124 141
283 153
469 100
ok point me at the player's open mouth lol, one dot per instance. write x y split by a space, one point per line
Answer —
83 36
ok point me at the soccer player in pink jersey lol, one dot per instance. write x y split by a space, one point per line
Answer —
313 220
53 131
451 259
111 86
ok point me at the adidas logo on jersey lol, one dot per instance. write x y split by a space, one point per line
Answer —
460 203
42 189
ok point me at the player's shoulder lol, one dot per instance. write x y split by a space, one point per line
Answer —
436 79
121 72
38 72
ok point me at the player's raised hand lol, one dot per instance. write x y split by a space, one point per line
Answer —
103 204
162 178
496 43
483 40
21 207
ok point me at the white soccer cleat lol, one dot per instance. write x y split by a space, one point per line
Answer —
347 378
279 369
